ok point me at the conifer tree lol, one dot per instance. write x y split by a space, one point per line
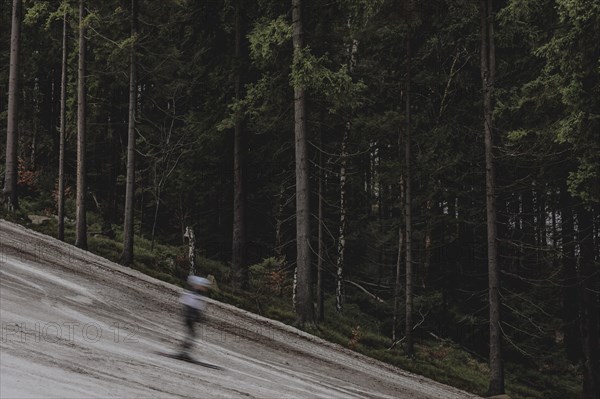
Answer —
488 72
63 129
80 217
304 306
12 164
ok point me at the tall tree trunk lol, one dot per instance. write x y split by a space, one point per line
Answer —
80 222
409 349
488 66
63 127
397 285
528 233
35 127
430 211
569 277
321 246
12 164
111 168
339 289
189 234
589 286
339 292
304 307
239 250
155 220
541 223
127 255
279 224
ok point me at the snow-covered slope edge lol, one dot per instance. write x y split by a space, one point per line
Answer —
54 285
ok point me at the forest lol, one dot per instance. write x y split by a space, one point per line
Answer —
417 180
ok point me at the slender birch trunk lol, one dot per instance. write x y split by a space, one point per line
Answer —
128 231
339 292
321 249
189 234
339 289
279 224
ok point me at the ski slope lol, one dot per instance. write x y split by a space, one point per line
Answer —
75 325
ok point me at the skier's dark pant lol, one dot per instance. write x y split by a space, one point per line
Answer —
191 316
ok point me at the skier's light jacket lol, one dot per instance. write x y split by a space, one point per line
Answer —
193 300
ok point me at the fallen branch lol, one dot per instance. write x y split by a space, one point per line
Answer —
414 328
444 340
399 341
364 290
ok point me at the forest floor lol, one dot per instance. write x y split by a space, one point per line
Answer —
77 325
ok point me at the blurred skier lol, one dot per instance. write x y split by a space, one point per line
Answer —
193 308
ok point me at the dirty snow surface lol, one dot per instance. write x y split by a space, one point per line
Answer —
75 325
